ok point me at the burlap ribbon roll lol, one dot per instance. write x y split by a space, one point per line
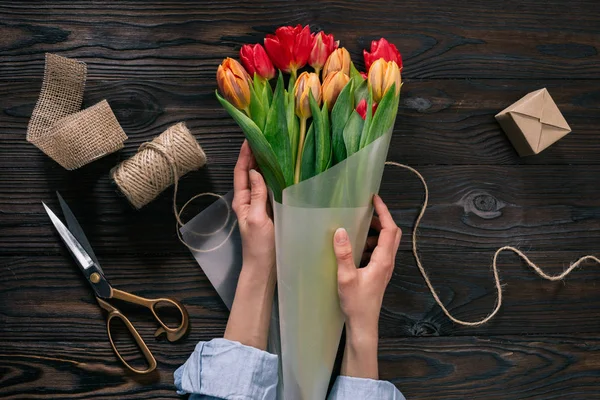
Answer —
159 164
71 137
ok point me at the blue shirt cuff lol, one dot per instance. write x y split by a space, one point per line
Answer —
346 387
228 370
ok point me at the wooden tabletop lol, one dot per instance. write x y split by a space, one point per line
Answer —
464 61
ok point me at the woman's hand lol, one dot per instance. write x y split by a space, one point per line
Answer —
251 311
251 205
361 292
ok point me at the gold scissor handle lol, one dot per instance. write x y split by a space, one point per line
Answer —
173 334
114 313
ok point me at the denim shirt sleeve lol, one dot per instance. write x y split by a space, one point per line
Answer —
346 388
222 369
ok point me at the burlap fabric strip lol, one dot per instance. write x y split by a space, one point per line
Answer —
71 137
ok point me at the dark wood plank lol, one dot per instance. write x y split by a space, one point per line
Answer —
445 39
46 297
471 207
440 122
507 367
513 367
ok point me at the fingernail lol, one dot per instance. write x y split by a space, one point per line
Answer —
253 177
341 236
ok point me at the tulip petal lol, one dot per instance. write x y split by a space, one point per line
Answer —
365 132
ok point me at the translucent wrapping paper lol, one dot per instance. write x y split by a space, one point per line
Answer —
310 319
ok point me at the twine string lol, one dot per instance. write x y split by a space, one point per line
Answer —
498 285
163 151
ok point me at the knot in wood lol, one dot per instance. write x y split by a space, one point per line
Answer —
485 203
424 328
482 204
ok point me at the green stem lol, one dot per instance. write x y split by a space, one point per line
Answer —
318 71
294 74
300 149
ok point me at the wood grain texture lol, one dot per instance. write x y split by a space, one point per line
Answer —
155 63
452 119
534 367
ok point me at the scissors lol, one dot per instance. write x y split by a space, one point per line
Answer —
82 252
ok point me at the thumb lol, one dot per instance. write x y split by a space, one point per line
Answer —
343 253
258 197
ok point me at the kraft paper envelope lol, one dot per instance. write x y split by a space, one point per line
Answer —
533 123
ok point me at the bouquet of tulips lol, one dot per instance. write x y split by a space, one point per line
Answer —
320 136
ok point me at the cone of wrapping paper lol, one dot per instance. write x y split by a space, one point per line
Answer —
310 319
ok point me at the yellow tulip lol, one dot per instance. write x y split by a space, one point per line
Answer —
339 60
332 86
233 82
382 75
306 83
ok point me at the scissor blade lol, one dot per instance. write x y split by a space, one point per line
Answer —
78 252
76 230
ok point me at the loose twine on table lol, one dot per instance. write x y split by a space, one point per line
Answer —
518 252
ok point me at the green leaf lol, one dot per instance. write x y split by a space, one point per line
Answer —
292 124
354 74
385 115
263 90
327 126
276 132
365 132
265 157
352 133
356 77
307 168
344 105
267 93
258 111
361 91
320 125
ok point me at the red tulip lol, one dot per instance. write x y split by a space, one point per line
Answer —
255 60
382 49
322 48
289 48
361 108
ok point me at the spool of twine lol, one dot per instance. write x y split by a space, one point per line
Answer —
158 164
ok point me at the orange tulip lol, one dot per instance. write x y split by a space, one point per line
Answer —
382 75
233 81
307 82
332 86
339 60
